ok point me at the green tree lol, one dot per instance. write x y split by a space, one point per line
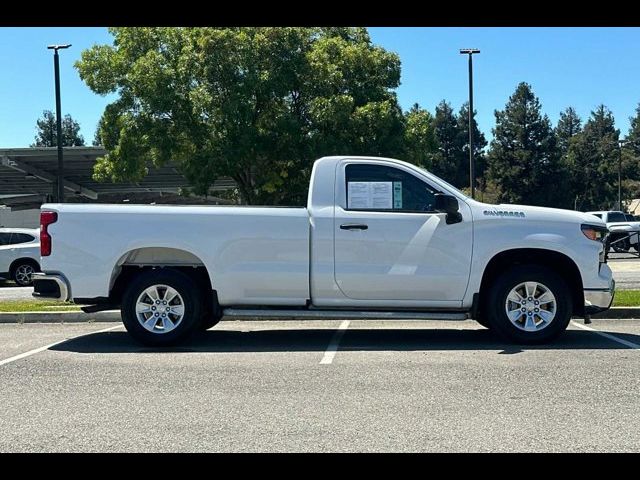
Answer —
47 133
419 137
632 140
479 144
569 125
631 159
523 159
97 141
446 161
593 162
255 104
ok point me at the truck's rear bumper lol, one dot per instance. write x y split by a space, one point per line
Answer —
47 285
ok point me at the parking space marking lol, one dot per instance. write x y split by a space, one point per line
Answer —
607 335
46 347
331 350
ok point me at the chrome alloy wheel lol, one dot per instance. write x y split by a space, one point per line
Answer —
531 306
160 308
24 273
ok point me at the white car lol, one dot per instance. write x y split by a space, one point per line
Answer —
378 238
19 254
624 229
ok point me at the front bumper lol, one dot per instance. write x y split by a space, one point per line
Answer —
50 286
598 300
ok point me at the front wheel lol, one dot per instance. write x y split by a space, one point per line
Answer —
161 307
529 304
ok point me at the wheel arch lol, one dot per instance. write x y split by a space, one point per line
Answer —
556 261
20 260
138 260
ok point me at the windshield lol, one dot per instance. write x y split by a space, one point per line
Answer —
443 181
616 217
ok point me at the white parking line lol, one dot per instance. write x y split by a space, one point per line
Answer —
607 335
46 347
334 343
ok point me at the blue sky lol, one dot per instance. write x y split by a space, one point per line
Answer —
581 67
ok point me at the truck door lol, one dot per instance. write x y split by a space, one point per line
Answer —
389 243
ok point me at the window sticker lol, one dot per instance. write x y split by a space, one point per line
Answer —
358 193
381 195
370 195
397 195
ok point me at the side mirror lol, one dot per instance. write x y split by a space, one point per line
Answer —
448 204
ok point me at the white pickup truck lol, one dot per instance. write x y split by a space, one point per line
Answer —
624 230
379 238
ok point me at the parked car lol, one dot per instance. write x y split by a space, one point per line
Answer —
379 238
19 254
624 229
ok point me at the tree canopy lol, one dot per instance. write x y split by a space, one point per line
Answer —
260 104
593 162
255 104
419 137
47 133
524 160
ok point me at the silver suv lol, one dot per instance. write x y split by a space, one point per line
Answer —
19 254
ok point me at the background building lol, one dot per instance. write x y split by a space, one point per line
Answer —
28 179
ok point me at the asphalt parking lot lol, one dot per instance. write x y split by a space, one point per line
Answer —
319 386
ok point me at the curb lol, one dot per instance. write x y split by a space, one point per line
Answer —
114 316
60 317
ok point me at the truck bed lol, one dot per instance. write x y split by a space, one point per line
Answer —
254 255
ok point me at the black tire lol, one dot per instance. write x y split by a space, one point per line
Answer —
207 322
484 322
211 312
189 293
18 271
497 298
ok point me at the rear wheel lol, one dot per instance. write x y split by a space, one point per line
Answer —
22 272
161 307
529 304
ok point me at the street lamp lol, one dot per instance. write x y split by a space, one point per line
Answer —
56 65
621 143
470 52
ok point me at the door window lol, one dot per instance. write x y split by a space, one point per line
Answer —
388 189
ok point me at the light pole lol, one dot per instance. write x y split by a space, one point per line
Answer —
470 52
620 145
56 66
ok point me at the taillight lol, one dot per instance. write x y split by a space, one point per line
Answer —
46 219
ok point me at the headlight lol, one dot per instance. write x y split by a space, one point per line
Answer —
594 232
